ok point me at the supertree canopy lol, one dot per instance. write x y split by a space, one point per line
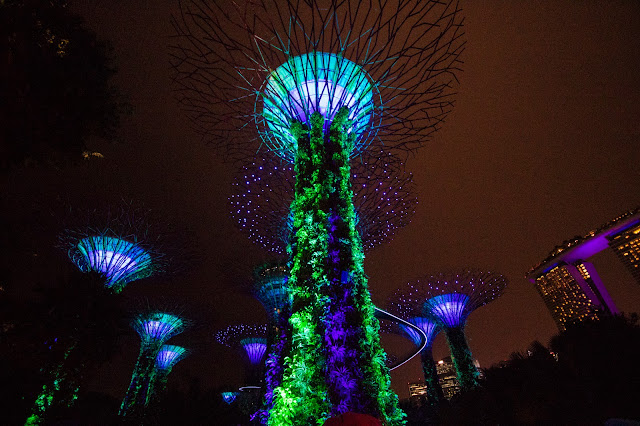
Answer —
430 328
167 358
229 397
383 197
448 298
155 328
119 244
251 339
270 288
321 82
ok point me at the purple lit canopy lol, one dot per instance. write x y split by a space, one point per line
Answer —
427 325
158 326
448 297
255 347
384 200
169 356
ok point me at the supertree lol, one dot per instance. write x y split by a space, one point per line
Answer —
383 198
449 298
155 327
321 82
251 340
121 244
167 358
430 329
229 396
111 246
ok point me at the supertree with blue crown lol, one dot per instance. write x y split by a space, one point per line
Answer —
321 82
120 244
448 298
430 328
167 358
251 341
154 327
110 246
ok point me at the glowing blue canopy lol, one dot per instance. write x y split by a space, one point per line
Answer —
119 260
169 355
160 326
256 348
449 309
229 397
314 82
427 325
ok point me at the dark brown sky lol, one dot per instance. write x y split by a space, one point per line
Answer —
543 144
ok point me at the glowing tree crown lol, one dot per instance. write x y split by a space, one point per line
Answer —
158 326
427 325
273 61
271 287
229 397
315 82
448 297
384 200
169 356
255 347
120 261
232 336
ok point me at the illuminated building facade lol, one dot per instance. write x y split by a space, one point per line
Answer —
447 377
626 244
570 285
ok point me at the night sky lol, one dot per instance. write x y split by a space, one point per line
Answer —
543 144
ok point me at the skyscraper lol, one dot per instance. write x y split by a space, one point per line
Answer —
570 286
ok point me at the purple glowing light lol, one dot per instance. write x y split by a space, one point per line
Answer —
169 355
161 326
449 309
229 397
256 348
427 325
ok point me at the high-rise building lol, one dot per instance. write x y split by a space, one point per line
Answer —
626 244
447 377
570 286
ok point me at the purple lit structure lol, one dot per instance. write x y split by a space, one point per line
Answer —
251 339
167 358
383 196
118 244
154 328
321 82
430 328
448 299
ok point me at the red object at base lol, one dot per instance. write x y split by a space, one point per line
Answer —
353 419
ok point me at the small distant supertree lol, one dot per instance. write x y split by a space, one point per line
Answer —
251 339
229 397
383 197
270 288
449 298
120 244
154 328
167 358
430 329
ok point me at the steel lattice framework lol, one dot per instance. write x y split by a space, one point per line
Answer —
383 196
317 83
394 64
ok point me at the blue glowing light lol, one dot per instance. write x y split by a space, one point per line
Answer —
229 397
169 355
449 309
256 348
315 82
160 326
427 325
119 260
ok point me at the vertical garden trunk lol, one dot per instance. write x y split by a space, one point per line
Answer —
462 359
434 390
336 364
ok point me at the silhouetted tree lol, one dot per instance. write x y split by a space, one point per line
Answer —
55 86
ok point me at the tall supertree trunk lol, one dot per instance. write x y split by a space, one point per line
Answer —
135 401
336 363
462 359
434 390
